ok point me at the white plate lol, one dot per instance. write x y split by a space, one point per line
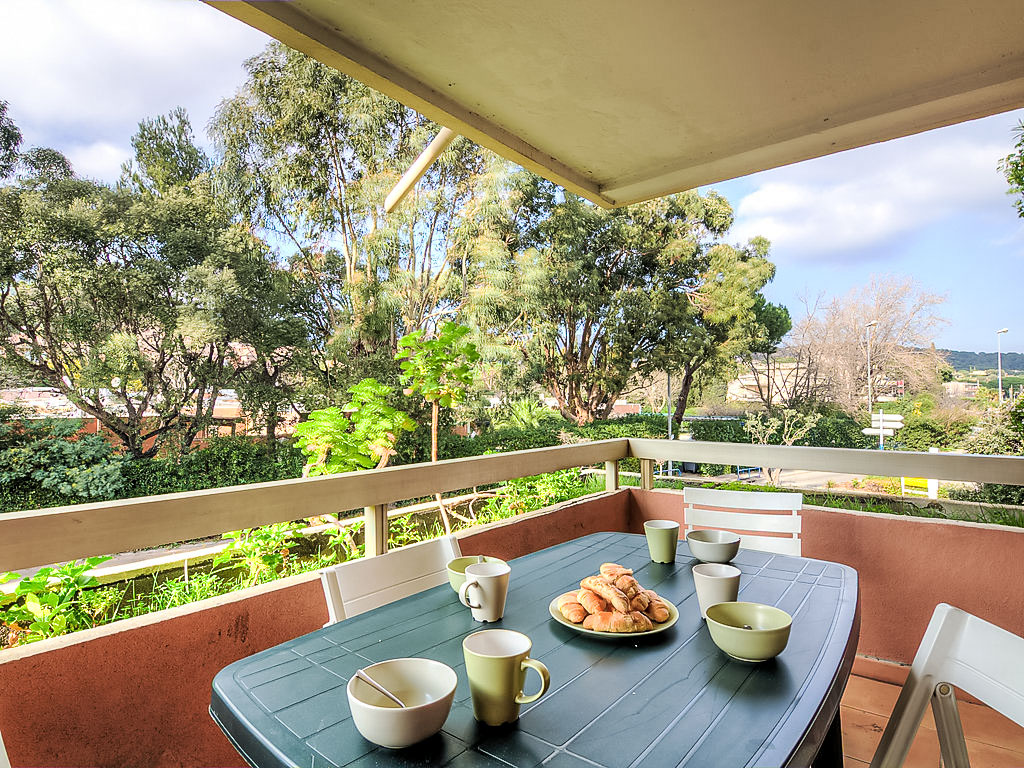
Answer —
673 617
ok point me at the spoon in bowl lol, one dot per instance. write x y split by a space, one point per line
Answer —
379 688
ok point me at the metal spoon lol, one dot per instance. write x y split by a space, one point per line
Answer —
379 688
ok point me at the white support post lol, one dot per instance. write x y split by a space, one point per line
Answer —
647 474
376 529
611 475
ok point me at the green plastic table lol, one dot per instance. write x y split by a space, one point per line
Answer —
671 699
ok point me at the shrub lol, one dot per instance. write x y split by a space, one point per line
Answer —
223 462
718 431
48 463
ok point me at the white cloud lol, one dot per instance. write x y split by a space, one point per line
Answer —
852 201
99 160
81 73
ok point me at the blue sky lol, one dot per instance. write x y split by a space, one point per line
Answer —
80 74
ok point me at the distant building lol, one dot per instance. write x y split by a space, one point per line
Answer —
963 390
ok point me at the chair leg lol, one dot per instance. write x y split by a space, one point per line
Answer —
949 728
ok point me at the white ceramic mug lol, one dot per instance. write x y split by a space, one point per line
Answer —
485 590
716 583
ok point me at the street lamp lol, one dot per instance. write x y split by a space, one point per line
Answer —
999 361
869 326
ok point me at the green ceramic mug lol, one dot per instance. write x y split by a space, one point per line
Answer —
662 539
496 663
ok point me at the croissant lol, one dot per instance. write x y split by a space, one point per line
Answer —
641 601
593 602
614 570
657 610
570 608
609 592
617 621
630 587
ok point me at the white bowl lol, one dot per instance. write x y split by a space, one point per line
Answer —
427 688
711 546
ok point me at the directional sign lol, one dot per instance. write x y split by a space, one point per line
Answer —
885 432
891 420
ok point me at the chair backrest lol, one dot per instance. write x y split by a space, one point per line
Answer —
960 649
747 511
361 585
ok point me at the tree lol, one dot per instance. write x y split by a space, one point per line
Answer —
588 300
127 299
309 155
830 342
440 370
10 142
783 426
1012 167
768 327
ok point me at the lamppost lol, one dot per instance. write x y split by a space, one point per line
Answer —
999 361
869 326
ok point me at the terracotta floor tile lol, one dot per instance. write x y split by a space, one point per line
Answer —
849 762
986 725
993 741
988 756
863 730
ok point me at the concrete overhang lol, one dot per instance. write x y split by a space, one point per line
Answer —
622 102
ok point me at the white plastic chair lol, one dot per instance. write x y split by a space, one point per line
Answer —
959 650
5 761
361 585
747 511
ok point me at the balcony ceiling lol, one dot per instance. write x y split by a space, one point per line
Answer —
623 102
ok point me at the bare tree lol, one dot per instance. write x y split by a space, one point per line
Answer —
830 342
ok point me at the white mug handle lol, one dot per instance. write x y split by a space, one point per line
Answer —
464 594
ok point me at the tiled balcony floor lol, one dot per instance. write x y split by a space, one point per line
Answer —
992 740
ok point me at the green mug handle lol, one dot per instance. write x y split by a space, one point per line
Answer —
545 681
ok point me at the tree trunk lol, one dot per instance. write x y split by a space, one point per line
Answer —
433 430
684 394
433 457
272 419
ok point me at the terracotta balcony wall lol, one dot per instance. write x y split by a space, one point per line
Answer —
136 692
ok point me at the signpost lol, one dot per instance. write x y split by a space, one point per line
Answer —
884 425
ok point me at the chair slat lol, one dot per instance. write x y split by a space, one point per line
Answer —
754 500
744 521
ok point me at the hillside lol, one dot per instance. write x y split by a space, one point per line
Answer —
965 361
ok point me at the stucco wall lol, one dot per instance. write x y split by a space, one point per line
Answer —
906 565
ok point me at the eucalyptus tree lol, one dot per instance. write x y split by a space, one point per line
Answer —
309 155
1012 167
590 299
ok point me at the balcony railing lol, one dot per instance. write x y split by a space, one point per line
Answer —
39 537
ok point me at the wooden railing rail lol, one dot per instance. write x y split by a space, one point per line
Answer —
59 534
941 466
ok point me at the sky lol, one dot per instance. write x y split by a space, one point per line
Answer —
80 74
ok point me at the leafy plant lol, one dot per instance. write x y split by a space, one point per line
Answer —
439 369
50 600
360 435
260 552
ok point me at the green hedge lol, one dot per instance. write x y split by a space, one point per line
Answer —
223 462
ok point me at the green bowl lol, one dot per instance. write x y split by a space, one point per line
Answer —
766 637
457 568
713 546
